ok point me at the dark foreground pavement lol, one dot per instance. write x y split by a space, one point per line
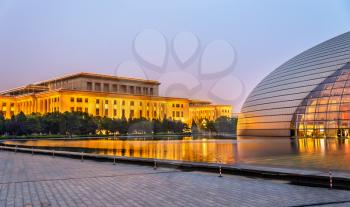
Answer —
40 180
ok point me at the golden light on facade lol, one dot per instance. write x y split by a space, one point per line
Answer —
101 95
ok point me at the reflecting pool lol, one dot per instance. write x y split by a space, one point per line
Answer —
311 153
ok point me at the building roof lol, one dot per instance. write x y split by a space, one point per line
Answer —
95 75
27 88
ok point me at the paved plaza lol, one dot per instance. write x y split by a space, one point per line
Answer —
41 180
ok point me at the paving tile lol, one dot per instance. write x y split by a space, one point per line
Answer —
40 180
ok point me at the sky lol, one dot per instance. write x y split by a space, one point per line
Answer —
216 50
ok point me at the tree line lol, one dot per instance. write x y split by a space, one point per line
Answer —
222 124
79 123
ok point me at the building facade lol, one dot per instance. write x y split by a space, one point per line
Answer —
105 96
308 96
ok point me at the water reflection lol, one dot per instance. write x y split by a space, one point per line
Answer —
185 149
283 152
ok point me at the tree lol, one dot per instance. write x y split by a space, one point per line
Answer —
178 127
2 124
88 124
107 125
53 123
140 126
211 126
15 126
225 124
32 125
157 126
72 123
123 126
194 127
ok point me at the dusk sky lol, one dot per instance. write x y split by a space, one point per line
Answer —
41 39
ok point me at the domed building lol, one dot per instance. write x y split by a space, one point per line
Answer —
308 96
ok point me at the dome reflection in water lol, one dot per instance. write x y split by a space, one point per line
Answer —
310 153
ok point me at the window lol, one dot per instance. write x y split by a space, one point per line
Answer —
123 103
151 91
177 114
115 88
97 86
89 86
140 103
97 103
132 103
123 113
177 105
132 89
106 112
79 109
86 110
71 99
131 114
123 88
79 100
140 113
86 100
71 109
115 112
145 91
106 87
173 113
138 90
97 112
115 102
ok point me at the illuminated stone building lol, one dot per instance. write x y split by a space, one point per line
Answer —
105 95
308 96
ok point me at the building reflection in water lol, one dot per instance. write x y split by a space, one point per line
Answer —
186 149
306 152
323 146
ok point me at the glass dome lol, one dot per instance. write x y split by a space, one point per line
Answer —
325 112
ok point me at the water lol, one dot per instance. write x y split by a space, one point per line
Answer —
310 153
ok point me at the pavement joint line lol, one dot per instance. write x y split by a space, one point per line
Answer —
90 177
322 204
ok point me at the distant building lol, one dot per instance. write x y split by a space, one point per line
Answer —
308 96
105 95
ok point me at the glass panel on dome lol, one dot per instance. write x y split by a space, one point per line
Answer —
334 100
330 114
309 116
345 98
325 93
333 107
345 115
336 92
346 91
321 116
339 84
321 108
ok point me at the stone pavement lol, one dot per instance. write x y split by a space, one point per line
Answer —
41 180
